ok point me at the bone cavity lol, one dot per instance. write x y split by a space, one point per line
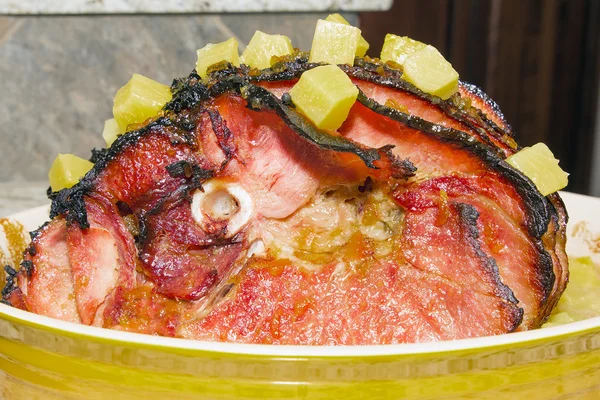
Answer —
222 202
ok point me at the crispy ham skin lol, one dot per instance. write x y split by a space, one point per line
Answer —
231 217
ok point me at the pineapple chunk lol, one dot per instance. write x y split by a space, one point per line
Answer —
334 43
363 45
324 95
111 131
214 53
428 70
262 47
538 164
67 170
397 48
140 99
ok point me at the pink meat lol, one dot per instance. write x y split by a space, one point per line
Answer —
473 250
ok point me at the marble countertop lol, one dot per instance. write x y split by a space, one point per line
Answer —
181 6
18 196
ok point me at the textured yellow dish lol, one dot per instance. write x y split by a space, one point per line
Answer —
41 358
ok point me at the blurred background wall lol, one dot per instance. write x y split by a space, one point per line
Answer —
59 74
537 58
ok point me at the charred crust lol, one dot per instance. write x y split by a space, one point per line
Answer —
97 154
190 171
187 92
468 216
186 125
142 237
123 208
27 266
70 202
383 75
516 313
556 239
476 91
37 232
180 169
225 138
401 168
545 271
10 270
10 285
540 211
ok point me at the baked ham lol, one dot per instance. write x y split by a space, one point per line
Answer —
230 217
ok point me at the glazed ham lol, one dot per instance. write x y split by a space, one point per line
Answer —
232 218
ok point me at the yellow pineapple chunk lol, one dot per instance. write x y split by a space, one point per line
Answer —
334 43
67 170
397 48
111 131
140 99
262 47
428 70
538 164
363 45
215 53
324 95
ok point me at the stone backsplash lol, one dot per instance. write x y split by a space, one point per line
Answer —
58 74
